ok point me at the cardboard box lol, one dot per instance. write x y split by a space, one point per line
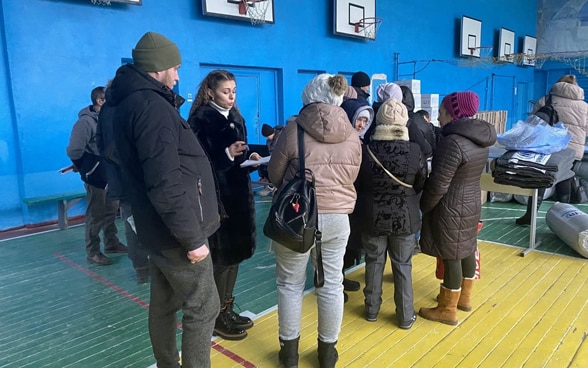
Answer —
417 101
430 100
413 84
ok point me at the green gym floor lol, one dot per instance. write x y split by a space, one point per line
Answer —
532 311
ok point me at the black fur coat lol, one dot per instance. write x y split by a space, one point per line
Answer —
235 240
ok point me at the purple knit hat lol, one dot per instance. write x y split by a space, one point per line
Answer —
461 104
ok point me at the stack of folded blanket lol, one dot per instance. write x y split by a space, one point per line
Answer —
533 170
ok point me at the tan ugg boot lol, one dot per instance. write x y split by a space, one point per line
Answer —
465 301
446 311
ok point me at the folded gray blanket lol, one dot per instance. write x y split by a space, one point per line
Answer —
528 174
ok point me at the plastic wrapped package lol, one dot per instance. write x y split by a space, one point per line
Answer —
570 225
535 135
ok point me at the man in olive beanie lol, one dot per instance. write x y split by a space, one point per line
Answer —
360 81
172 193
154 53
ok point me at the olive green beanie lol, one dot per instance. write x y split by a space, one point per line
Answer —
155 52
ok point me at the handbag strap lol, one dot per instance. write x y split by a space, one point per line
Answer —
319 272
386 170
301 151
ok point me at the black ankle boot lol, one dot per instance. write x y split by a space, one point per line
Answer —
225 328
327 354
289 353
526 218
241 322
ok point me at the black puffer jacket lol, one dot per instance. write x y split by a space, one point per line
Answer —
166 172
235 240
451 199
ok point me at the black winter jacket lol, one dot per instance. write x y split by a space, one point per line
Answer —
385 207
165 170
107 148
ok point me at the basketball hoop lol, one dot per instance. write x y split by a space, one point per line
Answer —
254 9
368 27
483 51
101 2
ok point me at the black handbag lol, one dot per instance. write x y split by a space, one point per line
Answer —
578 194
293 217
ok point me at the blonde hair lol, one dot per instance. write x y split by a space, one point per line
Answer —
568 78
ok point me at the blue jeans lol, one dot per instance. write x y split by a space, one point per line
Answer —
291 278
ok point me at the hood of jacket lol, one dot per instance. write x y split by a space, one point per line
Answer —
567 90
130 79
477 131
325 123
88 111
407 98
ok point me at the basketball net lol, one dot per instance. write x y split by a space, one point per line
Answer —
368 27
101 2
255 10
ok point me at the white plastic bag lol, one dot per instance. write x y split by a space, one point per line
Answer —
535 135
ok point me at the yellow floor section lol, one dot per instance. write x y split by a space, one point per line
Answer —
528 311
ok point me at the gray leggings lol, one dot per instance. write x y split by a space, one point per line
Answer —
456 269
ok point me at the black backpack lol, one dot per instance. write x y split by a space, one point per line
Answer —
548 112
292 219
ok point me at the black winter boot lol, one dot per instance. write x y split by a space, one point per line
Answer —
526 218
225 327
240 322
327 354
289 353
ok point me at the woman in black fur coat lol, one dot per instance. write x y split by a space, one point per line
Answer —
219 126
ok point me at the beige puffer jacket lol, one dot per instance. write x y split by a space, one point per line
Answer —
568 100
332 150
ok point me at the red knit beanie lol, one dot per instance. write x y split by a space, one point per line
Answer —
461 104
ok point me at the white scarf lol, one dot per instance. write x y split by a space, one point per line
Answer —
222 110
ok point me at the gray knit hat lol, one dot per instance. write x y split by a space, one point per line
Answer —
155 52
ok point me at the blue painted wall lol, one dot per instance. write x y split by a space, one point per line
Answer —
55 51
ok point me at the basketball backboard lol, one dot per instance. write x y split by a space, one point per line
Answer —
506 42
348 13
230 9
470 37
529 49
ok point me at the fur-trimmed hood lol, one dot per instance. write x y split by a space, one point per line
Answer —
390 133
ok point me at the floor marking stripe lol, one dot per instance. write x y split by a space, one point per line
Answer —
99 278
229 354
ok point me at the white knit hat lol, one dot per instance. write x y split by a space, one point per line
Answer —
325 88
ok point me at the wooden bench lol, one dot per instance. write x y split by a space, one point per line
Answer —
487 183
64 203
